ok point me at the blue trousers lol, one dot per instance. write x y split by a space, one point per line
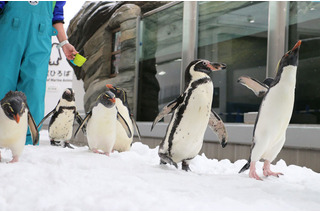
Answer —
25 46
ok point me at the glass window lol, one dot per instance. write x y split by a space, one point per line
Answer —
160 61
116 53
304 24
234 33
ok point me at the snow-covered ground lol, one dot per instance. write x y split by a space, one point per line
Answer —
54 178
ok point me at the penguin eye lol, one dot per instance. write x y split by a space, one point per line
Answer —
204 63
7 105
11 108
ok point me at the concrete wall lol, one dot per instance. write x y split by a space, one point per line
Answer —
302 146
305 153
234 151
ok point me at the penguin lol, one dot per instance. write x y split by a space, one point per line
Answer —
15 117
123 142
102 124
62 119
275 112
191 113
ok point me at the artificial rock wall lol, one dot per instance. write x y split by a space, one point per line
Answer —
90 31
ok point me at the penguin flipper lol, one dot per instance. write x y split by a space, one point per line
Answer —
80 121
167 110
33 129
124 125
217 125
135 126
45 117
259 89
78 118
83 122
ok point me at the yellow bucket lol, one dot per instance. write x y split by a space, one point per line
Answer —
78 60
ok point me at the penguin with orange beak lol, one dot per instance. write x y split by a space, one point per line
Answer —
102 124
15 117
123 142
269 133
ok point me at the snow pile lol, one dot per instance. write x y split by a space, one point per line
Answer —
54 178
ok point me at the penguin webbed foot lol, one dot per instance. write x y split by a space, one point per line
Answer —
224 143
100 152
267 171
185 166
55 143
14 159
252 172
164 159
162 162
67 144
271 173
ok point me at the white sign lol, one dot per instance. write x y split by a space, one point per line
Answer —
60 75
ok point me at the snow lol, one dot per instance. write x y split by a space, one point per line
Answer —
56 178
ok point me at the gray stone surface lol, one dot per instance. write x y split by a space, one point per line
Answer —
90 31
99 85
128 24
124 13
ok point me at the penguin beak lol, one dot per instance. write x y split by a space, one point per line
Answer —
109 86
297 45
16 118
294 50
217 66
113 100
290 58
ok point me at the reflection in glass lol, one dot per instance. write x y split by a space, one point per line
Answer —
116 53
304 24
234 33
160 61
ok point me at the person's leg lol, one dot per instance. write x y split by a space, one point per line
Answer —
25 46
34 69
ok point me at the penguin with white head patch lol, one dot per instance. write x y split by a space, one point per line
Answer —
191 114
275 112
123 142
15 117
102 124
63 117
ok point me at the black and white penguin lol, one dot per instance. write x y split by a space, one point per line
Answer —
191 115
15 117
102 124
63 117
123 142
275 112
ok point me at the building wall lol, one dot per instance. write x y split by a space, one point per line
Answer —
305 157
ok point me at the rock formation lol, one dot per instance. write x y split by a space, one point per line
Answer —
91 32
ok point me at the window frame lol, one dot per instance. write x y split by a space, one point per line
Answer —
113 52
